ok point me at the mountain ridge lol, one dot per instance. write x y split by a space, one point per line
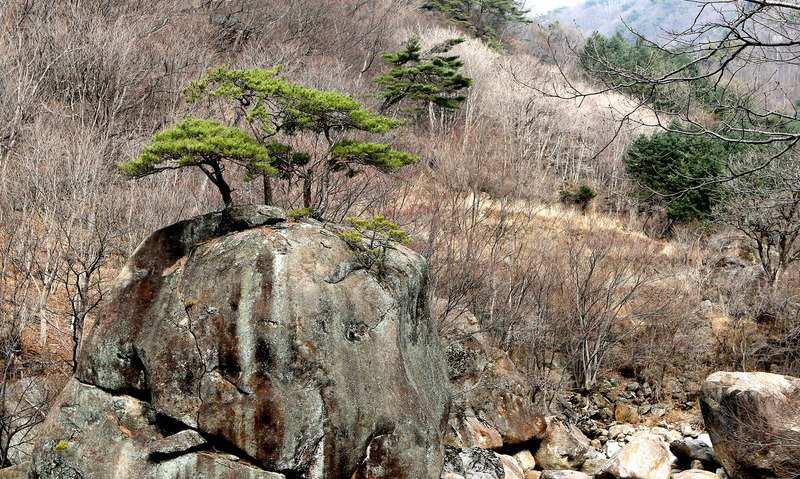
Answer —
650 18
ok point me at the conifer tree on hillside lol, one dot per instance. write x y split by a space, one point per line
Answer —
736 57
423 79
482 18
601 55
678 170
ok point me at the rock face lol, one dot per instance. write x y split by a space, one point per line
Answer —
241 345
492 403
754 423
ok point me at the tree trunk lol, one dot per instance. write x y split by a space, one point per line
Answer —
307 182
227 197
222 185
325 186
268 200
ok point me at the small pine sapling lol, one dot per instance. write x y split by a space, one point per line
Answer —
371 239
580 197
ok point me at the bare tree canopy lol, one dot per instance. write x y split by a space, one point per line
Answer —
731 75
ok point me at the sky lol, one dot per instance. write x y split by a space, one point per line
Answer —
543 6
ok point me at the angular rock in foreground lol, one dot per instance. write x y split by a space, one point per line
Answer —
564 446
754 423
645 457
564 474
268 344
492 400
695 474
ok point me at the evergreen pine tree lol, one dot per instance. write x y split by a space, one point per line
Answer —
281 113
203 144
424 79
678 169
482 18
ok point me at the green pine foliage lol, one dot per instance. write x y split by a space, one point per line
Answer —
482 18
284 116
277 105
423 79
346 154
581 197
204 144
675 169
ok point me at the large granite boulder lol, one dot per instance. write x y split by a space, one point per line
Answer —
754 423
240 344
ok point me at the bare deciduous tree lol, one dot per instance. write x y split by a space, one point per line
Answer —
24 401
601 294
736 51
765 207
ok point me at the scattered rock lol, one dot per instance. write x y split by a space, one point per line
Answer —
525 460
562 474
689 449
753 420
688 430
667 435
511 468
472 432
626 413
642 458
612 448
658 411
695 474
620 430
594 462
564 446
481 464
600 401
